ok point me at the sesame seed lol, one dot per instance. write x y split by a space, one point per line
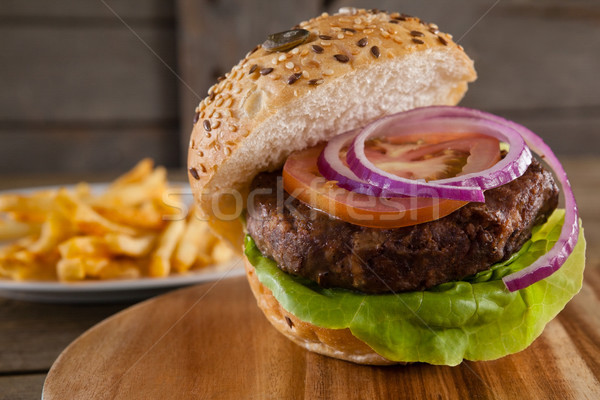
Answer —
200 153
433 30
219 102
282 57
217 115
274 61
228 102
385 34
266 71
368 31
227 151
289 322
252 69
349 30
416 34
304 52
206 124
293 78
325 43
397 40
194 173
220 78
443 41
212 96
315 82
196 117
375 51
295 50
216 124
340 36
328 72
317 49
203 168
341 58
325 37
289 65
418 41
305 74
362 42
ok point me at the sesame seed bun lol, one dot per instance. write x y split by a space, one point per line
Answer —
354 67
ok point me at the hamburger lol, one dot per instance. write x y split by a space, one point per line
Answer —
379 222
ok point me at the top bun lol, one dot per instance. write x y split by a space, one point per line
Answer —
354 66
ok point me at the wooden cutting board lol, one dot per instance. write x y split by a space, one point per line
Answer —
211 341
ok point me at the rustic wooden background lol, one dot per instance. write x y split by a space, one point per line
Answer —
95 85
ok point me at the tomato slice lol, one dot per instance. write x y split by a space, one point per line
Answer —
440 156
433 156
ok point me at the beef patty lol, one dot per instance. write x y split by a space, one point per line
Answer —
334 253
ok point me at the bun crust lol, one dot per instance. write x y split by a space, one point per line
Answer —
336 343
354 67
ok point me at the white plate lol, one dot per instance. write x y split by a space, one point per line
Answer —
113 290
110 290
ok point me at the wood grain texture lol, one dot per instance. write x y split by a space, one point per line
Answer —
91 147
147 9
24 387
86 73
79 86
211 341
33 335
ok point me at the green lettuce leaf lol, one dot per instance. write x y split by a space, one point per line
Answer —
473 319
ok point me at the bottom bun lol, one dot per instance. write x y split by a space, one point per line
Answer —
336 343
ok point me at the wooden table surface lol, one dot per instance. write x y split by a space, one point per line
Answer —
33 335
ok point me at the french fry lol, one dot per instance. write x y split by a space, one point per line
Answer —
28 208
142 169
160 263
197 239
10 229
56 229
222 253
144 216
131 230
129 246
85 219
120 269
84 246
135 193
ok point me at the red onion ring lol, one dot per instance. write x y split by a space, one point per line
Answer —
555 257
509 168
550 262
333 168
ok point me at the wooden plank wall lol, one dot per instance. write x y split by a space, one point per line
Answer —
80 92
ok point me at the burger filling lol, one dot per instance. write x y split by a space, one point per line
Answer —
333 253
